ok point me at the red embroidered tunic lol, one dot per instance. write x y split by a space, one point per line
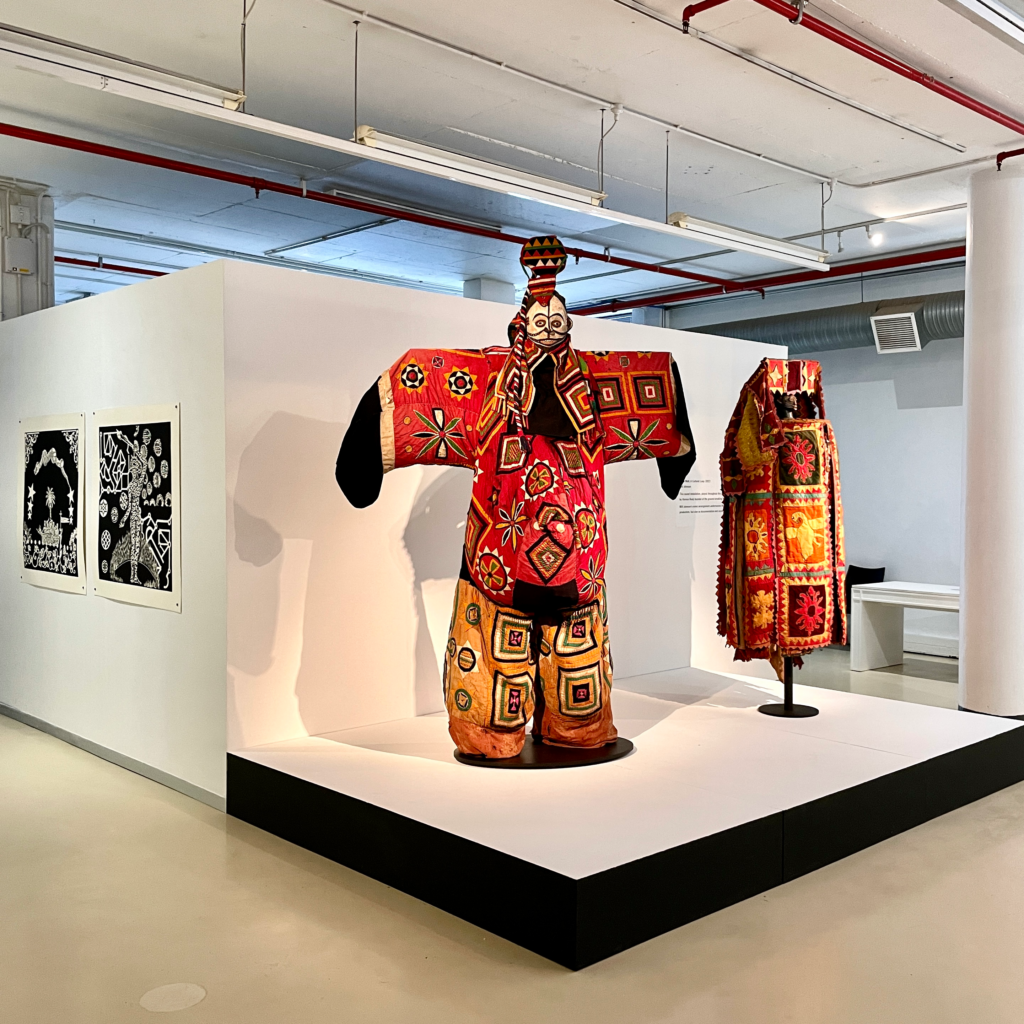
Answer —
780 578
535 532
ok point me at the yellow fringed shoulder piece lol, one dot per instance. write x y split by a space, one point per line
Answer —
748 445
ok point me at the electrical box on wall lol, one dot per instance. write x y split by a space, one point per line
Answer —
26 248
19 256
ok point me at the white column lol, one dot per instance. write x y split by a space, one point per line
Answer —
992 576
651 316
490 289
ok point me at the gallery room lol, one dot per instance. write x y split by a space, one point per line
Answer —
511 509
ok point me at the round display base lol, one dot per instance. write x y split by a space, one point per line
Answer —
794 711
537 754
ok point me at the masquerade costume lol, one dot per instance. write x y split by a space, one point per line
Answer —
780 573
537 424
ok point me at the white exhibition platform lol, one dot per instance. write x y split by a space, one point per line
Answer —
716 804
704 762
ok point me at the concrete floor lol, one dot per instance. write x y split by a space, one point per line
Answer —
921 679
112 885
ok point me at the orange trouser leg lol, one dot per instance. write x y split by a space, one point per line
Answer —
491 676
488 675
575 679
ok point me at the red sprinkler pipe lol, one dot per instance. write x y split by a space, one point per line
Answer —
265 185
1000 157
116 268
689 12
893 64
951 252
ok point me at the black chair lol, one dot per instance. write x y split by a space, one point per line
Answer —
855 576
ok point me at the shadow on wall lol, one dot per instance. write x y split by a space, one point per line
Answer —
433 539
317 577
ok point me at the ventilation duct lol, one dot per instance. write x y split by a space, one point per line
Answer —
895 332
820 330
895 327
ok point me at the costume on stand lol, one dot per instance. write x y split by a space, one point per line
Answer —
780 574
537 424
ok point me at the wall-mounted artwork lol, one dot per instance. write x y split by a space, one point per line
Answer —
50 522
136 541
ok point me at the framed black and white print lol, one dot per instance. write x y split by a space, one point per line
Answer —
51 520
135 511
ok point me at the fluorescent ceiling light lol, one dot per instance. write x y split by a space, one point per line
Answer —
1007 18
746 241
570 197
94 69
471 171
108 73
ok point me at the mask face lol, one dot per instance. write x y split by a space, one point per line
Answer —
548 326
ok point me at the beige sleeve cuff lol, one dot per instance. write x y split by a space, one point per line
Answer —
387 422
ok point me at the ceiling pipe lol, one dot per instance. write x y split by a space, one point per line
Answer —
114 268
790 76
258 185
760 284
823 330
798 16
1000 157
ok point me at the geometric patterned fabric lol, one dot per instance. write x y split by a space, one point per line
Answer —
535 530
503 667
782 563
537 513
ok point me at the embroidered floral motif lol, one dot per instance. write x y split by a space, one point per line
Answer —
809 612
412 376
593 578
512 523
635 444
756 538
461 383
586 527
493 573
798 458
762 603
539 479
440 435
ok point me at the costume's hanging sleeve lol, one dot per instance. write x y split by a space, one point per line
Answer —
782 562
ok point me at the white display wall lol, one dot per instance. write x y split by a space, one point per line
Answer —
324 617
142 685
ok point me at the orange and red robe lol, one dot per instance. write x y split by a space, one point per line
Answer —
535 532
780 577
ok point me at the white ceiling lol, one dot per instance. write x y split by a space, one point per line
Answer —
300 70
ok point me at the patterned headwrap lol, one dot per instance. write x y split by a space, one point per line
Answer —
542 258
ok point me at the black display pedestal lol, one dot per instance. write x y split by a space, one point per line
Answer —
597 914
787 709
537 754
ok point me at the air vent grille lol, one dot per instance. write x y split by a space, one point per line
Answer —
895 332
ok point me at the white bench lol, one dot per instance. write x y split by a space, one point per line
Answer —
876 619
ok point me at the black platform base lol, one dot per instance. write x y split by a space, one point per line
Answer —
790 711
536 754
590 918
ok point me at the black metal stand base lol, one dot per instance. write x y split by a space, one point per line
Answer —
787 709
537 754
792 711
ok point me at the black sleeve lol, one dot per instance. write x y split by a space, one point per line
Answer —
360 468
674 470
